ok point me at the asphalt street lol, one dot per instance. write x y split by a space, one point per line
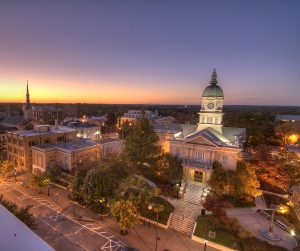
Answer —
57 227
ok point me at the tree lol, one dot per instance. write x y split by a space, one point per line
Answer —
247 184
137 190
6 166
54 172
22 213
97 183
291 163
125 129
169 169
218 179
39 179
263 155
289 132
215 205
75 191
141 144
126 213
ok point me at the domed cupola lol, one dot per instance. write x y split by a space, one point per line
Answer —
212 100
213 90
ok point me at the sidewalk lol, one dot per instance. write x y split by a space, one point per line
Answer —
141 236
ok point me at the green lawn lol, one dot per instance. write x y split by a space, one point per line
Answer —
223 237
162 216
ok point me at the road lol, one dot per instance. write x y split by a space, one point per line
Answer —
57 227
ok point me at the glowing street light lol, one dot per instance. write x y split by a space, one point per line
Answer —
293 139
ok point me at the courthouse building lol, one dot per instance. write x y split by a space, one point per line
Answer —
208 141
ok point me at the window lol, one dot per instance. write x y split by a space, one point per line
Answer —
199 155
225 159
60 139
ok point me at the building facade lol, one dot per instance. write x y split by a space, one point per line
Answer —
47 114
200 145
69 156
85 130
132 115
20 143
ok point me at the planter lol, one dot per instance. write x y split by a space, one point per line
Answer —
154 222
211 244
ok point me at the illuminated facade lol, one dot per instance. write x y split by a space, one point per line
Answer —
200 145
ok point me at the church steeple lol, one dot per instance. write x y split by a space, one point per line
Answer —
213 80
27 97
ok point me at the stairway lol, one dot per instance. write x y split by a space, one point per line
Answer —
194 193
182 224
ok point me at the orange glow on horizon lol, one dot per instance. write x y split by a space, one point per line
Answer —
105 93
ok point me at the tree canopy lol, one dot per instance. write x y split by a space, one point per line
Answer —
141 144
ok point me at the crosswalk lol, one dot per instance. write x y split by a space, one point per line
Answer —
112 243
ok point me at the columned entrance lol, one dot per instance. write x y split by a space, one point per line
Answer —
193 175
198 176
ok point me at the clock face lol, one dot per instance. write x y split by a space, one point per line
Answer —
210 105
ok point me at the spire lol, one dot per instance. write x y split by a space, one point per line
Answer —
214 80
27 97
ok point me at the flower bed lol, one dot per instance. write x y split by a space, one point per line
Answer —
162 216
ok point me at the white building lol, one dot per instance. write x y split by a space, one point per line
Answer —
208 141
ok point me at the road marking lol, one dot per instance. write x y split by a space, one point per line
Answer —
57 216
78 230
119 243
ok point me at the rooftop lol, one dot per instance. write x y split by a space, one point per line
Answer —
287 117
52 130
15 235
79 124
71 146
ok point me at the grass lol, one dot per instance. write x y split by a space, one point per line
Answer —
253 244
223 237
162 216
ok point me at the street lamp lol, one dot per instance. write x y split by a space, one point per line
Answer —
101 200
156 208
270 234
205 243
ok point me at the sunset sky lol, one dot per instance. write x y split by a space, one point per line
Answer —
152 52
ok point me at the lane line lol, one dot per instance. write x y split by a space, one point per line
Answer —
71 219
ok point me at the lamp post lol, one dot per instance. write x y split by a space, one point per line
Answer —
270 234
156 208
101 200
57 198
205 243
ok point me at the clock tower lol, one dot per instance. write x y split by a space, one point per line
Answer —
212 100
